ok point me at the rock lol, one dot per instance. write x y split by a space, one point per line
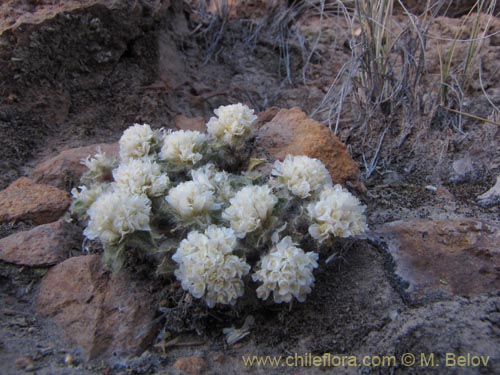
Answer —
448 329
292 132
44 245
264 117
191 365
190 123
491 197
25 200
438 259
66 168
107 315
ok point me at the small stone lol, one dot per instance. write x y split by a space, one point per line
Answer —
439 259
191 365
44 245
292 132
26 200
58 170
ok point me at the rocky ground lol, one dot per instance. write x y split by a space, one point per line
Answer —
74 74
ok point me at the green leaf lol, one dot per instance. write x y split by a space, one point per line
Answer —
254 163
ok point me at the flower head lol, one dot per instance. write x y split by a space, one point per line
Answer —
183 147
98 166
207 267
83 197
337 213
190 200
287 272
249 208
232 124
213 180
137 141
115 214
141 176
302 175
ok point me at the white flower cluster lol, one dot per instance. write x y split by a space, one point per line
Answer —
115 214
287 272
137 141
141 176
190 200
166 183
337 213
302 175
183 147
249 208
207 267
232 124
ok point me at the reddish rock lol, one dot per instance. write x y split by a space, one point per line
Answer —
107 315
66 167
191 365
190 123
292 132
264 117
435 259
25 200
44 245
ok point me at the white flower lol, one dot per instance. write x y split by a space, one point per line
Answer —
115 214
302 175
232 124
183 147
98 162
83 197
137 141
337 213
141 176
287 272
190 200
207 267
249 208
218 182
99 167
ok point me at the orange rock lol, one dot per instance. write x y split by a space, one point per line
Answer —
108 316
67 164
191 365
25 200
292 132
436 259
265 116
43 245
